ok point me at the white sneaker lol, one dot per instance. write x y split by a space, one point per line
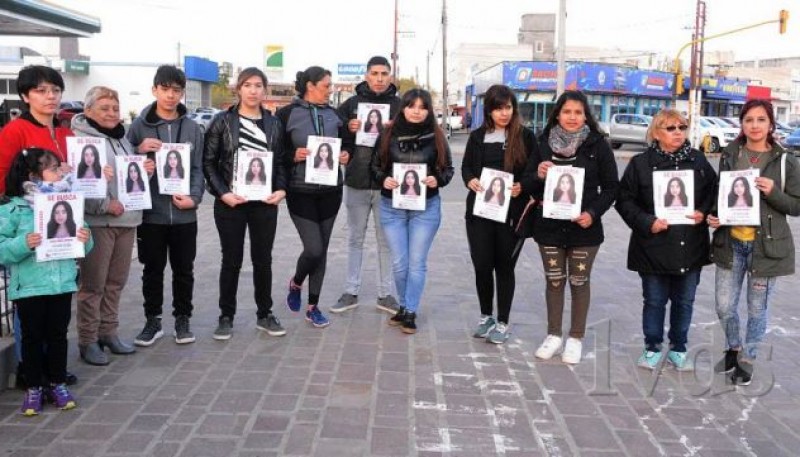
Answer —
550 347
572 351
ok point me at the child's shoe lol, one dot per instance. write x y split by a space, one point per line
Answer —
59 395
32 404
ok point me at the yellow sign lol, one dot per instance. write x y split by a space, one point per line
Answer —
273 56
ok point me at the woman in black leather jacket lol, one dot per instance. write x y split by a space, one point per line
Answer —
245 126
412 138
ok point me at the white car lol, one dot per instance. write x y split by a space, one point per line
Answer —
455 121
719 136
202 119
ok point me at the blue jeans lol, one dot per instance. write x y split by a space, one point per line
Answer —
680 290
728 289
409 235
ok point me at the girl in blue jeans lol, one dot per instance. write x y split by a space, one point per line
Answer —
413 138
755 254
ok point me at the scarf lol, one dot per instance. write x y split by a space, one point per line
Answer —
117 132
676 157
403 128
566 144
31 188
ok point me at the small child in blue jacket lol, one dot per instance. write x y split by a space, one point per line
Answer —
42 291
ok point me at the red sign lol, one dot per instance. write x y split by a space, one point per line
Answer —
760 92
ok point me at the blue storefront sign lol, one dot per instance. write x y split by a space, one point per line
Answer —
351 69
722 88
200 69
589 77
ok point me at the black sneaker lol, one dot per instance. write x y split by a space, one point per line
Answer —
224 330
728 363
409 323
150 333
397 319
742 374
183 333
271 325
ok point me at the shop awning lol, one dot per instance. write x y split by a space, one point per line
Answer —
37 18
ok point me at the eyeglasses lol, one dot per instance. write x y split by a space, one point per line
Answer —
672 128
44 90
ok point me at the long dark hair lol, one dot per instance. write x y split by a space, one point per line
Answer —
416 186
82 167
52 225
570 193
139 180
748 197
379 124
668 196
501 196
429 124
28 162
262 174
755 103
496 97
179 167
578 96
311 75
328 160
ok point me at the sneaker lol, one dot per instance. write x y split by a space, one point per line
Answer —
485 326
183 333
728 362
499 334
649 359
59 395
293 299
150 333
742 374
409 324
572 351
32 404
397 319
388 304
550 347
345 303
271 325
224 329
315 316
680 361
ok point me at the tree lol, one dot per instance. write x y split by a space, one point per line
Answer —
404 84
221 93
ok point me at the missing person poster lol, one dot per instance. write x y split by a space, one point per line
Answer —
493 201
322 163
87 157
133 185
172 168
563 192
738 202
253 175
373 116
57 217
673 196
410 194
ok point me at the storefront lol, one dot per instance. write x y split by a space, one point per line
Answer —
721 97
611 89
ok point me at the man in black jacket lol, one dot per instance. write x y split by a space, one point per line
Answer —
362 194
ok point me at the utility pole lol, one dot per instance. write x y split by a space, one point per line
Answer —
394 52
562 44
446 109
428 55
696 73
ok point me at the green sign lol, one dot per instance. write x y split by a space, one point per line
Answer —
76 66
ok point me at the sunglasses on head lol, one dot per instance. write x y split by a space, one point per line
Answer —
672 128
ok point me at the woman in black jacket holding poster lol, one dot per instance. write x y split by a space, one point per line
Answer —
503 144
668 257
568 247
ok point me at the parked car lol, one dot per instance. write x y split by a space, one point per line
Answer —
719 137
734 121
627 128
792 143
66 111
203 119
455 121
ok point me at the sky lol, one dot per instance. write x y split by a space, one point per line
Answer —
329 32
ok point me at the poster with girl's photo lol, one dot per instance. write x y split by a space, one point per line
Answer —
87 157
563 192
57 217
738 202
322 163
132 183
493 201
172 168
673 192
253 174
410 194
373 116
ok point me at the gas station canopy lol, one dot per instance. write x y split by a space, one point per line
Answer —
36 18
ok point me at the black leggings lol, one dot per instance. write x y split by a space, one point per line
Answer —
313 216
44 321
491 246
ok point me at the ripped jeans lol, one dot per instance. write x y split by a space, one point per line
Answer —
561 265
759 291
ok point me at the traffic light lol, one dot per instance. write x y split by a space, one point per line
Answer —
679 83
783 18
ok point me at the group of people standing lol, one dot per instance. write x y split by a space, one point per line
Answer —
668 257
